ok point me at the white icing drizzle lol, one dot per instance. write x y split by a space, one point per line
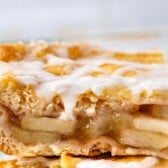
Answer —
148 162
53 60
47 85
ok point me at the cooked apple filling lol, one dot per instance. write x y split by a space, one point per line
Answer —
135 129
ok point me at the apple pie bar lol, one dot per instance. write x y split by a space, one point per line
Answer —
82 99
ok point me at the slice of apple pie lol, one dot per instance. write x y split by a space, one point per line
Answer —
83 99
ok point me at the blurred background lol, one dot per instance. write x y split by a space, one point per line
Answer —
96 20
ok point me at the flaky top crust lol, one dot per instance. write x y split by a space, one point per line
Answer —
54 73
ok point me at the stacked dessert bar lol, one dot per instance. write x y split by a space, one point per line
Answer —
78 105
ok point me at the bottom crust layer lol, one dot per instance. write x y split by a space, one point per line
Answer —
69 161
92 148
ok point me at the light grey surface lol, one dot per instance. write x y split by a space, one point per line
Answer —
56 19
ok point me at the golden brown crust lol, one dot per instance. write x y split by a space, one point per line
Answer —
141 57
12 52
39 49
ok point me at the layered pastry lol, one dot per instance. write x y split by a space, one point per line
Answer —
82 99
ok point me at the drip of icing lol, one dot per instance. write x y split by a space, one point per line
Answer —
53 60
148 162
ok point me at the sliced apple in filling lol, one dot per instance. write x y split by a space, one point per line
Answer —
143 139
46 124
32 137
151 124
